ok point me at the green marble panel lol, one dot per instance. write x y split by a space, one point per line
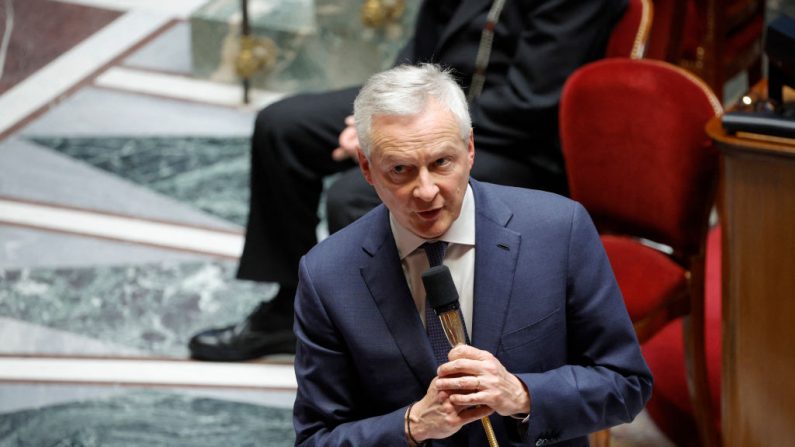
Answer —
152 307
149 418
209 173
322 44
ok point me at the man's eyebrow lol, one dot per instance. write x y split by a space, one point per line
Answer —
394 158
443 149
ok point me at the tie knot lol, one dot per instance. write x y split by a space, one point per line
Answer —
435 252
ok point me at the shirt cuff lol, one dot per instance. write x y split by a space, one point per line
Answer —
523 418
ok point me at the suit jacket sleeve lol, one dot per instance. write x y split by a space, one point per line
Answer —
558 37
326 410
606 381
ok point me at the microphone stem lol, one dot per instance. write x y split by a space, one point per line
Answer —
490 436
453 327
456 335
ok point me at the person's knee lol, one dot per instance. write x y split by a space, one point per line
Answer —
278 136
278 117
337 205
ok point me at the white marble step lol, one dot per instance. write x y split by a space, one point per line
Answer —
185 88
171 235
147 372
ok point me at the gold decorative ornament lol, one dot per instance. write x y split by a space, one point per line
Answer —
256 54
379 13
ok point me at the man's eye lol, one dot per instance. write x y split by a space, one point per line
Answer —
442 162
399 169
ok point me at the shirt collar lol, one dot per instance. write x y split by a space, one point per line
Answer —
462 231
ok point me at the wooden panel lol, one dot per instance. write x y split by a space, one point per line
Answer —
758 391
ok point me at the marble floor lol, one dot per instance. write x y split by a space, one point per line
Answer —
123 194
114 162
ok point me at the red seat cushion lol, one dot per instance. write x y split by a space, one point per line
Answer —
647 277
670 406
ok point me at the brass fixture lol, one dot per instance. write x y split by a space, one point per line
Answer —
256 54
379 13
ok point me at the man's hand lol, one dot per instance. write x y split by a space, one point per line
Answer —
472 385
436 417
348 141
475 377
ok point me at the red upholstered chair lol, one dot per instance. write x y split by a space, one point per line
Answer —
638 158
670 406
629 37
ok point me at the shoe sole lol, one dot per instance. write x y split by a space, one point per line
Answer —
231 355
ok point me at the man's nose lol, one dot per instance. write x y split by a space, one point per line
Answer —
426 188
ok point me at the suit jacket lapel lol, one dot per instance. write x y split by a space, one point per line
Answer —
387 284
497 250
462 16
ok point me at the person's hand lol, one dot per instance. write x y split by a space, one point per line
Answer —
436 417
475 377
348 142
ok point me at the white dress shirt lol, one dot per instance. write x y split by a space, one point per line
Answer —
459 258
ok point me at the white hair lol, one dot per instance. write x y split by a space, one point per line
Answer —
404 91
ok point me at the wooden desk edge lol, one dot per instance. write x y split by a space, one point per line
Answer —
733 143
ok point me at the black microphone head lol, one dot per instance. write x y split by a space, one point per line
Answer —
440 291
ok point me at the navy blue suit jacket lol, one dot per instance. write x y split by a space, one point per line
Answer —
545 303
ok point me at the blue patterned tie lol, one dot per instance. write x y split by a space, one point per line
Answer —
435 253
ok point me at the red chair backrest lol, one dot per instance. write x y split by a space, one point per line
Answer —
637 155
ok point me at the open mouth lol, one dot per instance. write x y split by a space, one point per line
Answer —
429 215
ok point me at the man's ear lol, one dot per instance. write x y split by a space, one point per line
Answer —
364 165
471 148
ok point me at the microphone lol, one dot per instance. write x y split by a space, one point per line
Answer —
442 296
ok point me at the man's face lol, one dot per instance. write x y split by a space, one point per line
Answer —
419 166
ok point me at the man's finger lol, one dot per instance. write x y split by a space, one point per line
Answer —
470 399
471 383
468 352
474 413
339 154
462 366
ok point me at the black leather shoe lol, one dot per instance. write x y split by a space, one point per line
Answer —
262 333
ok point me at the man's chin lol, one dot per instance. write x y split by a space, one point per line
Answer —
429 231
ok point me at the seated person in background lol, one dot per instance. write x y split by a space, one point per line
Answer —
553 353
536 46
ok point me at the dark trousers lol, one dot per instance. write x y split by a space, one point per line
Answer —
291 154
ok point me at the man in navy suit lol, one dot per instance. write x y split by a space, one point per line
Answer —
553 354
535 46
